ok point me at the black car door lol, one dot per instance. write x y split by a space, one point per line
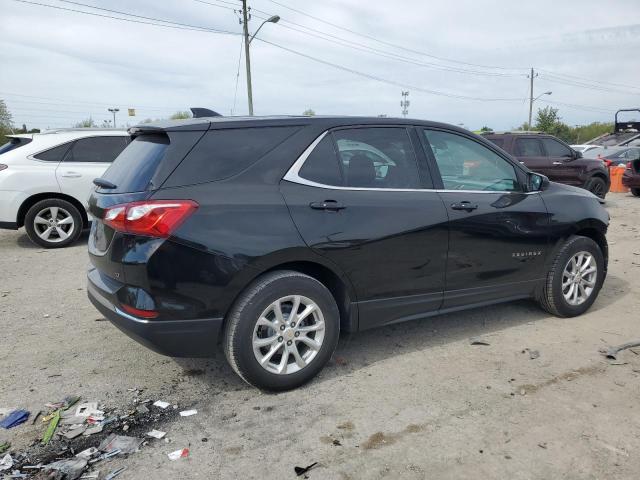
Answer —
497 231
361 198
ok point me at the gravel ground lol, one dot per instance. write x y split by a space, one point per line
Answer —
414 400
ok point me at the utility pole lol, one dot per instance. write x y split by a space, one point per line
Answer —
245 26
114 110
404 103
531 96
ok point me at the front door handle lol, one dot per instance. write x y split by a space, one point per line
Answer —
327 205
468 206
558 163
71 175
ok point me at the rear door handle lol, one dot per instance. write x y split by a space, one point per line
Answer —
327 205
468 206
71 175
558 163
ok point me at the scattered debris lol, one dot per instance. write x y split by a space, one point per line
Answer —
53 424
71 468
478 341
543 445
115 473
120 442
161 404
533 354
178 454
35 417
142 409
88 453
612 352
15 418
92 430
302 470
336 442
6 463
188 413
156 434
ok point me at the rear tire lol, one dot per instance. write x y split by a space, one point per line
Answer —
53 223
281 351
635 192
597 186
565 294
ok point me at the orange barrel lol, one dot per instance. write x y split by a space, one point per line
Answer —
616 180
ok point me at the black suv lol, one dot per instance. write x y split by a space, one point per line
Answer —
550 156
274 234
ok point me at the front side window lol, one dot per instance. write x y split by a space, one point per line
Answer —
96 149
528 147
556 149
465 164
377 158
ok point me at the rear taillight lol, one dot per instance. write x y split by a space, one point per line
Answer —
629 167
3 166
607 162
152 218
138 312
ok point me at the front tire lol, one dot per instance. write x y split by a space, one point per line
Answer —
597 186
53 223
635 192
281 331
575 278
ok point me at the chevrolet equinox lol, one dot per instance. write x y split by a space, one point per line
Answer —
272 235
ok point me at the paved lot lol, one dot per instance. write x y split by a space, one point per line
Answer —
414 400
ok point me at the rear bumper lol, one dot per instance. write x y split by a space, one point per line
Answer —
175 338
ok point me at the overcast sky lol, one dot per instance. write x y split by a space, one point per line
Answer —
58 67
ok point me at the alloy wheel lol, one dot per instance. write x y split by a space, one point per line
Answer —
53 224
288 334
579 278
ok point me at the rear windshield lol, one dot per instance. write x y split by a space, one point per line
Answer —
14 143
134 168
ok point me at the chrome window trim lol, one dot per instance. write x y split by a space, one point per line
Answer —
293 175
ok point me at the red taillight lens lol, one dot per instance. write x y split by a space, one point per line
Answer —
607 162
629 167
153 218
139 312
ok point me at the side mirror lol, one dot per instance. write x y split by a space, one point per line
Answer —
537 182
576 154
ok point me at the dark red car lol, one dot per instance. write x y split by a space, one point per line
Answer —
631 177
550 156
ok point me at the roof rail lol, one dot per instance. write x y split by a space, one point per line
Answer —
90 129
518 132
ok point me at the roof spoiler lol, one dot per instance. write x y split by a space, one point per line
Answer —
203 112
620 127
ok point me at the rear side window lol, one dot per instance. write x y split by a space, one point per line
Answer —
497 141
224 153
555 148
322 165
528 147
14 143
55 154
136 165
96 149
377 158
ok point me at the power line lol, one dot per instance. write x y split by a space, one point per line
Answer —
582 79
401 47
170 24
76 102
579 107
384 80
574 83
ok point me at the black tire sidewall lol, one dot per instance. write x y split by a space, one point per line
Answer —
295 284
53 202
577 244
635 192
595 180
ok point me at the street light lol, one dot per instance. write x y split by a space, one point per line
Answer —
114 110
247 41
531 105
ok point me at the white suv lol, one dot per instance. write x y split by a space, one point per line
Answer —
46 179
